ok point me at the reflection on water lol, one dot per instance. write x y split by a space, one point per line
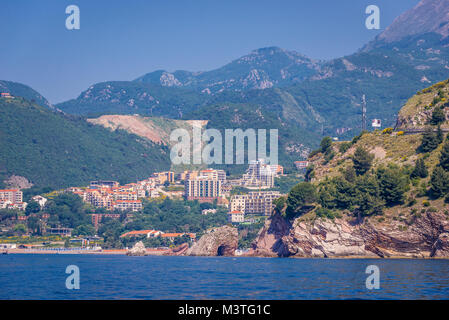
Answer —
122 277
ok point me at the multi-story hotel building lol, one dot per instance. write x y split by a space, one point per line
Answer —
260 174
254 202
202 189
12 195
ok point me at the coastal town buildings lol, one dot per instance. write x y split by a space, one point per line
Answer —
6 95
236 216
205 212
162 177
12 199
301 165
140 233
156 233
261 175
254 202
202 189
40 200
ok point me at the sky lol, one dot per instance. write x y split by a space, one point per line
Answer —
122 40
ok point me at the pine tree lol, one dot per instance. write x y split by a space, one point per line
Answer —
440 136
438 116
362 160
393 184
439 183
429 141
368 196
444 157
326 145
300 195
350 174
420 170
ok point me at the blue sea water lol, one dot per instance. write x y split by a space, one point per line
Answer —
156 277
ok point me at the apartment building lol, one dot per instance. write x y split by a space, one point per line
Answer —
213 174
103 184
202 189
131 205
254 202
12 195
260 174
162 177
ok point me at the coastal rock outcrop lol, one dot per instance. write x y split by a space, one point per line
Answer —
137 250
427 236
222 241
178 251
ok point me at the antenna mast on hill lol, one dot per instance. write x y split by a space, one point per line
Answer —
363 113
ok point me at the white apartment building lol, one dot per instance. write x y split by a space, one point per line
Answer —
260 174
203 189
132 205
254 202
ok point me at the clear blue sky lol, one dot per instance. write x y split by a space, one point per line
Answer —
121 40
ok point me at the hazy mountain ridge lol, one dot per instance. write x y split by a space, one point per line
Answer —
262 68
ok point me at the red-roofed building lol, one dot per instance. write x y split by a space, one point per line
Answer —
236 216
141 233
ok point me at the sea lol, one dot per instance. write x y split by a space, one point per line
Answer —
111 277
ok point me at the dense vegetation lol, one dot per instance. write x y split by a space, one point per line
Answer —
54 150
166 215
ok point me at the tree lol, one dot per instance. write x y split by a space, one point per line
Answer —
362 160
310 173
32 207
439 184
350 174
326 145
20 229
393 184
429 141
368 196
440 135
302 194
84 230
444 156
420 170
438 116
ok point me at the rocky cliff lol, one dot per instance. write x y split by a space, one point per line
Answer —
137 250
221 241
427 236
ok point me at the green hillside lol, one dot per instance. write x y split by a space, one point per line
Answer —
55 150
20 90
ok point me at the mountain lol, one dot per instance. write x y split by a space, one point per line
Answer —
127 97
428 16
313 98
261 69
21 90
55 150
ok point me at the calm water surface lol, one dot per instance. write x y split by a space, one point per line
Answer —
153 277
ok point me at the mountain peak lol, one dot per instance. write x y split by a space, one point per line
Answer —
428 16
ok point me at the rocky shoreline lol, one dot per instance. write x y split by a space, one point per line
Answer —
428 237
